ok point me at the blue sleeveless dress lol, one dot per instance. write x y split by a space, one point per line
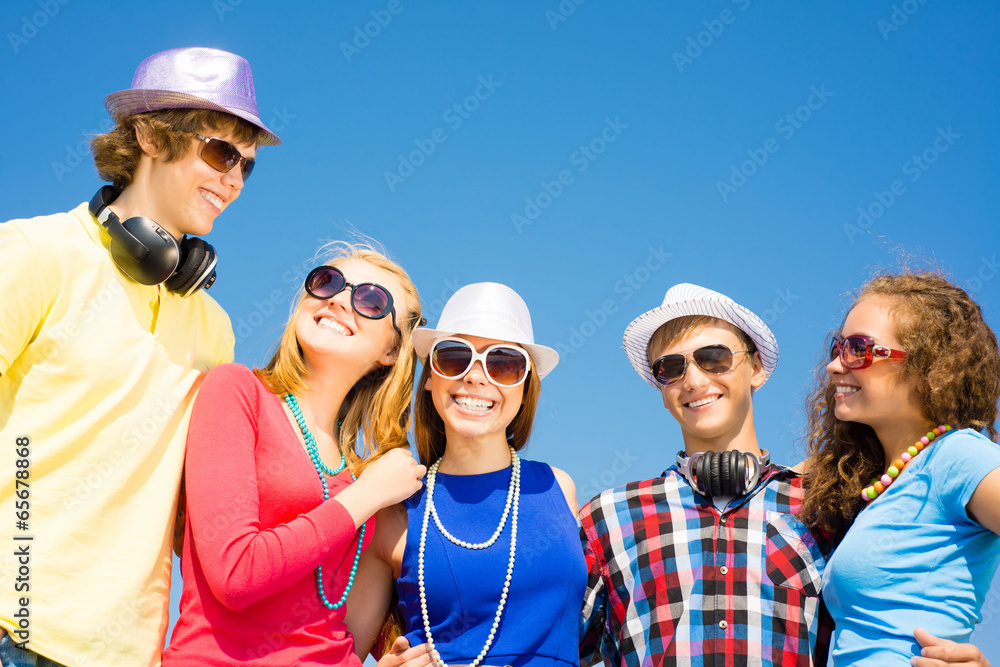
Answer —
540 623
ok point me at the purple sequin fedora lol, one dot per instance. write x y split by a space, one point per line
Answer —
192 78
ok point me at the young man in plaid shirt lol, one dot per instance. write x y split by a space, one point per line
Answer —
707 564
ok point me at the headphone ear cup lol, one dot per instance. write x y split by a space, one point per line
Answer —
701 474
741 474
154 265
725 473
714 474
197 267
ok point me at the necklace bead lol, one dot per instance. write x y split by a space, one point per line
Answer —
322 470
513 496
877 486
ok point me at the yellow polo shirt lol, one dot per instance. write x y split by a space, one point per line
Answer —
98 373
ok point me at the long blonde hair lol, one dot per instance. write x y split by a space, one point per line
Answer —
379 403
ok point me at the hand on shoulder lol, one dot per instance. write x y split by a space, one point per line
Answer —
401 654
393 477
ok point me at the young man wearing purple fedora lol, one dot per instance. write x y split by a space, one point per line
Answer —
107 331
707 564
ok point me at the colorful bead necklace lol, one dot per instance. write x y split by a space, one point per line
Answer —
322 468
513 494
877 486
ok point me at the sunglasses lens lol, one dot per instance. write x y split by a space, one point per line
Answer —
220 154
714 359
669 369
506 365
247 169
324 282
451 358
223 156
371 301
855 352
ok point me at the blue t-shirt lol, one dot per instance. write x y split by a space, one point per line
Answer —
914 558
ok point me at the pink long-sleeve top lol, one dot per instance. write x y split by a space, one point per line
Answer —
257 526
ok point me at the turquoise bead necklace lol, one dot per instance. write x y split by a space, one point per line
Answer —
322 470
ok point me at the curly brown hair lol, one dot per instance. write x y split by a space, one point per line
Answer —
951 353
117 152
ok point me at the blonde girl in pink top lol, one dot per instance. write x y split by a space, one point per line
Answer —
275 526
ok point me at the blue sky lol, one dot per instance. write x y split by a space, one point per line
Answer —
588 154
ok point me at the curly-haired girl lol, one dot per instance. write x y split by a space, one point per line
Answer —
897 456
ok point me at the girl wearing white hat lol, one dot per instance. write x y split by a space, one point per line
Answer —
487 561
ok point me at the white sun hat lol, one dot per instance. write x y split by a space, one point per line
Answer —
686 299
487 310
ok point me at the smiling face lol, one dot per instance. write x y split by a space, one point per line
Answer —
715 411
471 407
186 195
330 330
881 396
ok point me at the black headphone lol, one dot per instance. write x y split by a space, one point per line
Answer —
149 254
729 473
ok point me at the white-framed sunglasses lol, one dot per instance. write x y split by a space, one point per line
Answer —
506 365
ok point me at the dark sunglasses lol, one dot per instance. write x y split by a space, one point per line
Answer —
714 359
223 156
368 300
505 365
859 352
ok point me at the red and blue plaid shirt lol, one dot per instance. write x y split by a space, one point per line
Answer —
672 581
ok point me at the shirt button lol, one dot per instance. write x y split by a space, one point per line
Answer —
724 570
723 625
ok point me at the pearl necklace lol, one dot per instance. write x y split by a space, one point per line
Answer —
876 487
322 468
513 495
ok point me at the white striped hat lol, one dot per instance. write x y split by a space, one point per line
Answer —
687 299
